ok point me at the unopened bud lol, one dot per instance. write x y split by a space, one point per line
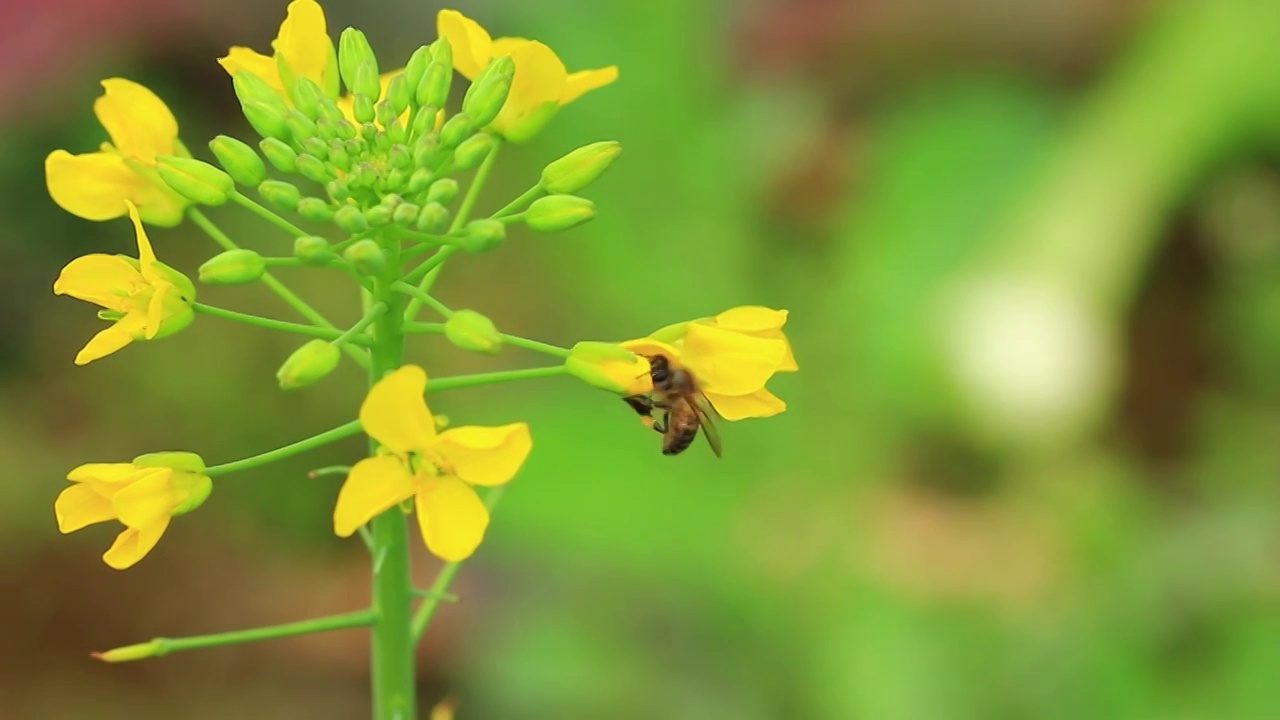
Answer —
472 151
265 120
483 235
140 651
307 364
350 218
433 218
307 96
233 267
442 51
443 191
413 71
558 212
345 129
313 168
366 257
424 150
300 126
281 194
362 109
378 215
315 209
455 130
486 96
357 63
280 154
433 88
406 214
424 123
195 180
338 156
470 330
579 168
316 146
239 160
400 158
313 250
420 180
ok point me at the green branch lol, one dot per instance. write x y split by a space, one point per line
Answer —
465 381
323 333
163 646
315 441
514 340
266 214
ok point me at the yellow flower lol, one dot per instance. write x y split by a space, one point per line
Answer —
732 356
96 186
143 495
438 470
541 83
302 48
146 298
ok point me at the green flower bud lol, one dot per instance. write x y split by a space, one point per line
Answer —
559 212
362 176
487 95
313 250
239 160
325 130
265 119
281 194
378 215
300 126
470 330
350 218
251 88
395 180
307 96
307 364
188 462
443 191
313 168
433 218
579 168
392 200
195 180
420 180
366 257
424 151
338 156
345 129
472 151
337 190
455 130
424 123
362 110
316 146
442 51
385 114
433 89
357 63
369 132
483 235
315 209
399 157
607 366
413 71
233 267
406 214
396 132
280 154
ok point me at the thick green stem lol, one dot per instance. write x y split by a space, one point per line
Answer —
315 441
277 287
392 652
163 646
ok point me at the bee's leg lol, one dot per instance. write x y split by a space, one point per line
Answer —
666 420
641 404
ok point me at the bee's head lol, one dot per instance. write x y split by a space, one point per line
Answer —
659 368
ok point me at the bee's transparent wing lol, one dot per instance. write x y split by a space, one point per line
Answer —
706 414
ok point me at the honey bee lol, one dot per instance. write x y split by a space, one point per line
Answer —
684 408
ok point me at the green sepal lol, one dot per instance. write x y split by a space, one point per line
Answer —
443 191
558 212
580 168
351 219
315 209
280 154
239 160
195 180
483 235
232 267
470 330
473 150
486 96
175 459
455 130
433 218
357 63
281 194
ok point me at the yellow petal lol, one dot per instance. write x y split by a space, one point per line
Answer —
243 58
155 311
758 404
485 455
146 256
395 414
346 103
649 346
536 88
94 186
105 473
121 333
471 44
147 500
504 45
730 363
133 544
78 506
751 319
451 517
139 123
304 41
99 279
373 485
586 80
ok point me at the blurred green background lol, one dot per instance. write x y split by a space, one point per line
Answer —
1029 467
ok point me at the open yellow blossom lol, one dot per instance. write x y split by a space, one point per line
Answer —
302 48
540 85
96 185
732 355
145 298
143 495
438 470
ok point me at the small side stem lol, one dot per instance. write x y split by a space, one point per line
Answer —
266 214
465 381
313 331
157 647
514 340
423 298
315 441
